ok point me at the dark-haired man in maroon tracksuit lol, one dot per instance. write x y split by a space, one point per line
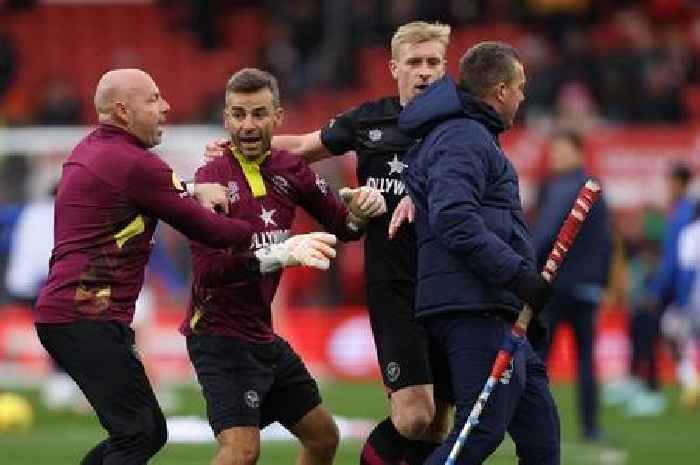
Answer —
251 377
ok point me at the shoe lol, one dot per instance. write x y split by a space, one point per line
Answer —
646 404
620 391
593 436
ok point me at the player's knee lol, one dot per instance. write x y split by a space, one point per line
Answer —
412 421
325 444
238 454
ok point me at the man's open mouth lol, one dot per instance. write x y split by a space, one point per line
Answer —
250 139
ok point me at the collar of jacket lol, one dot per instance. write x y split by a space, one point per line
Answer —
443 101
107 130
251 170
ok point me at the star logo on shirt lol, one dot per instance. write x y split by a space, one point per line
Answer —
396 165
266 216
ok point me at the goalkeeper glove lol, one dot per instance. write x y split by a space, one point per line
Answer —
313 250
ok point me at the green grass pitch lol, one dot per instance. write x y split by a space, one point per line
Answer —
62 439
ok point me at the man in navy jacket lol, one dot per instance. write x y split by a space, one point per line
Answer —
476 264
583 276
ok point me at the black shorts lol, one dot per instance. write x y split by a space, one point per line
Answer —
401 342
251 383
101 358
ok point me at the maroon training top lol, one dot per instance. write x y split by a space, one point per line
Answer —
228 300
111 194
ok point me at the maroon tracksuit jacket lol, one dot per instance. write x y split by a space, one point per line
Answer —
227 300
111 194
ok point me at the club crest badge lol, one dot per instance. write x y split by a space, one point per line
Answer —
233 192
375 135
281 184
322 185
252 399
393 371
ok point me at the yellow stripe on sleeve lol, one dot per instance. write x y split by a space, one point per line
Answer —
133 229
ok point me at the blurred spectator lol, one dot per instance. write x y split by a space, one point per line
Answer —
202 18
557 16
666 287
640 393
30 250
368 26
400 12
688 311
27 269
662 288
58 104
292 44
661 93
578 289
575 108
280 56
8 64
542 84
19 4
9 212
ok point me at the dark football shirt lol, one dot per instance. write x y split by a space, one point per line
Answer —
227 299
111 194
371 130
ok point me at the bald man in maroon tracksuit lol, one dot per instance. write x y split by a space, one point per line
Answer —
112 192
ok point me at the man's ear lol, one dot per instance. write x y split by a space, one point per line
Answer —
224 116
121 112
279 115
501 89
394 69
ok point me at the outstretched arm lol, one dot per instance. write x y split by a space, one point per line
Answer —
152 186
308 146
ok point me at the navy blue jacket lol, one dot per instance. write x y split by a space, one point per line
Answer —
585 271
471 234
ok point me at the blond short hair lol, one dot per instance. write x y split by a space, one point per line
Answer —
417 32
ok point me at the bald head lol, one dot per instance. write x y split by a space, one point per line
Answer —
129 98
119 85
